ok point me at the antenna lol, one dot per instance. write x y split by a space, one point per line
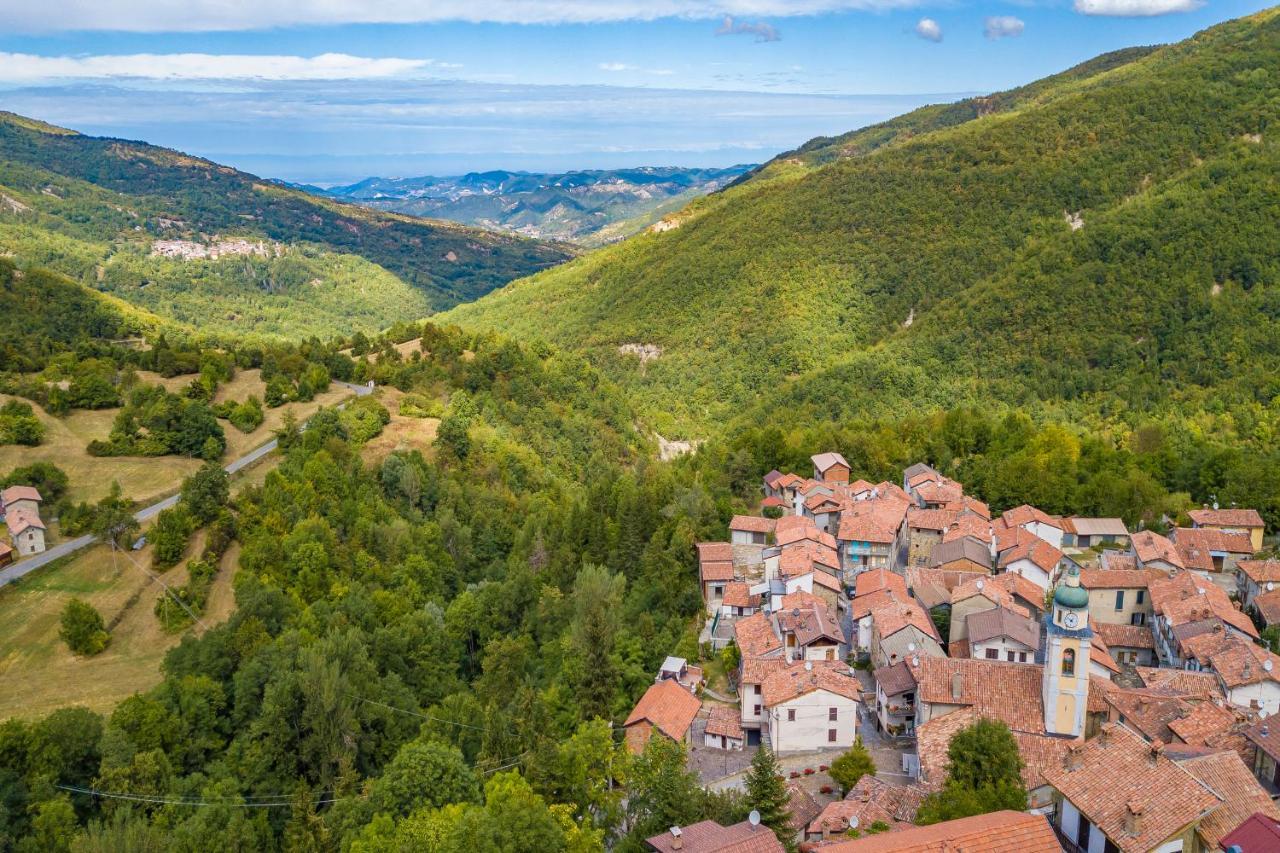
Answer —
754 817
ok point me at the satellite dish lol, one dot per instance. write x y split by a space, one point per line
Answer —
911 647
1270 586
915 661
853 823
980 583
1267 665
754 817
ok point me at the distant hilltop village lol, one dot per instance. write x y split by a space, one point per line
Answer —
1128 666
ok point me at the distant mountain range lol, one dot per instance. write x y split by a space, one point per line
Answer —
588 207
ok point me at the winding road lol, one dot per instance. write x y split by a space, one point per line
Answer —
30 564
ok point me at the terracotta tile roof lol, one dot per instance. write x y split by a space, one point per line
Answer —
1203 722
1237 662
755 636
930 519
997 832
801 677
1118 579
1149 712
1125 636
738 594
870 800
1149 547
864 605
715 552
1117 774
800 530
1266 734
772 502
803 807
1203 685
1012 537
19 493
1043 555
19 520
1258 834
1227 776
4 548
1260 571
798 555
1185 597
725 720
756 670
994 589
940 491
716 571
1196 545
1009 692
1118 561
920 473
752 523
668 706
1268 605
933 740
970 525
819 504
787 480
772 477
892 618
827 581
808 617
822 462
971 506
710 837
1027 514
1246 518
865 528
876 579
999 622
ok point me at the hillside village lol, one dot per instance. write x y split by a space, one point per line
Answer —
1128 665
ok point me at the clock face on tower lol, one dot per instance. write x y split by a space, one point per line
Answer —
1070 620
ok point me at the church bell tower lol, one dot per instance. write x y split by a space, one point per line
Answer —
1065 687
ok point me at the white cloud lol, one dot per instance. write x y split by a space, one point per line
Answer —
616 66
1135 8
762 31
929 30
24 67
207 15
622 66
1003 26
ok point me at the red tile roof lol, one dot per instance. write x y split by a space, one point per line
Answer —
1260 571
1043 555
19 493
1117 774
1027 514
869 801
1246 518
823 462
1125 636
1196 545
755 635
933 740
1226 775
668 707
930 519
1149 547
876 579
1009 692
725 720
710 837
1258 834
19 520
738 594
1118 579
801 677
997 832
1268 605
752 523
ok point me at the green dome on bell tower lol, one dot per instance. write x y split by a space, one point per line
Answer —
1070 594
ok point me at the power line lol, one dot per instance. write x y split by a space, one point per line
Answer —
156 578
278 800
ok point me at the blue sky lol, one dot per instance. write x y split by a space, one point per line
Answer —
334 91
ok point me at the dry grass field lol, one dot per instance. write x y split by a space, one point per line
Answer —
401 433
39 674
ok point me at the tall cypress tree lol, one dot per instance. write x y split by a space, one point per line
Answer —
767 794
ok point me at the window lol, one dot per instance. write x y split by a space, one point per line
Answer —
1119 599
717 591
1142 595
1069 663
1022 657
1138 619
832 714
791 715
757 689
757 711
831 735
993 654
1009 656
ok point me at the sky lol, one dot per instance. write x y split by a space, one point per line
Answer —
331 91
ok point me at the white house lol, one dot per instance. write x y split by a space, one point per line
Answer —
811 705
750 530
1000 634
1036 521
1033 558
24 498
26 530
724 729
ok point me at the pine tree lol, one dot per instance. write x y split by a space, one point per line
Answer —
767 794
852 766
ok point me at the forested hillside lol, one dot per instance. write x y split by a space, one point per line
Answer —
1107 234
196 241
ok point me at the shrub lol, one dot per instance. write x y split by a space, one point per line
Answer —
82 628
19 424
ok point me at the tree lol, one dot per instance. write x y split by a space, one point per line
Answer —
48 479
663 793
206 491
597 600
984 774
424 773
767 794
112 519
169 536
82 628
852 766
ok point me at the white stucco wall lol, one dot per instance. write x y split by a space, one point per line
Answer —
809 730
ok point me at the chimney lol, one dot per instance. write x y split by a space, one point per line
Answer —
677 838
1133 818
1153 754
1104 737
1075 757
957 685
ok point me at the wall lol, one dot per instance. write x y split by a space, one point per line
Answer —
1102 606
809 730
1003 645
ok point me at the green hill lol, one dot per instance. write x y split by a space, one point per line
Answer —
1111 231
208 244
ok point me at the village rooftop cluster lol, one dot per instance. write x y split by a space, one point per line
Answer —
1127 665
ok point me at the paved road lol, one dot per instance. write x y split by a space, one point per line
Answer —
62 549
